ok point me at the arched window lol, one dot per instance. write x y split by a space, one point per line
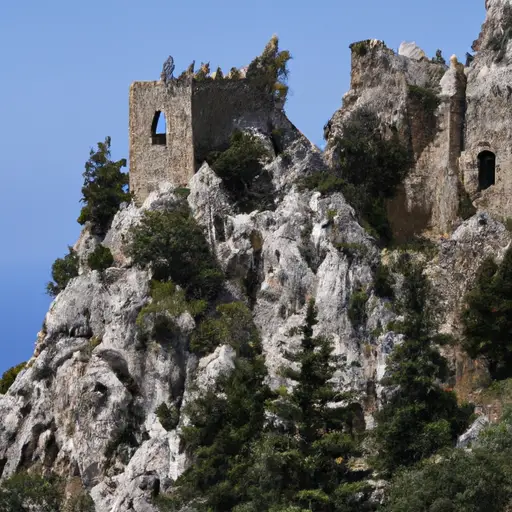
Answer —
159 129
486 169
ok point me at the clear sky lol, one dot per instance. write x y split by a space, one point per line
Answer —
65 70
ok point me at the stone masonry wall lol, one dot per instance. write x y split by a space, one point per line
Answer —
152 164
221 106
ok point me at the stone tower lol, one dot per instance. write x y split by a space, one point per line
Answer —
200 114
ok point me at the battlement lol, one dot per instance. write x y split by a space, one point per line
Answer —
201 113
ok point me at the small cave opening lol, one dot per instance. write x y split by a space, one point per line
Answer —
159 129
486 169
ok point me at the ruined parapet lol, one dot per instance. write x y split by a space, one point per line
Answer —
200 115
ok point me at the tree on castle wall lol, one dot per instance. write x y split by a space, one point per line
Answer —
270 69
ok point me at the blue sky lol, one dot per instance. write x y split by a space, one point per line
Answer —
65 70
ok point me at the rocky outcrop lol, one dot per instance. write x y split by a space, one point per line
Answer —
86 403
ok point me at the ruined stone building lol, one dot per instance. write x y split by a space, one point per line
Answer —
456 119
200 115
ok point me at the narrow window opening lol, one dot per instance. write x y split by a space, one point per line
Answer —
159 129
486 169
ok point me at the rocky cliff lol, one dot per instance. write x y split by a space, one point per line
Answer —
85 405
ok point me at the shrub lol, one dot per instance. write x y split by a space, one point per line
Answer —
168 416
174 245
360 48
487 317
357 308
63 270
384 281
23 491
424 97
459 482
9 376
270 69
168 302
240 167
105 188
325 182
100 259
439 59
233 326
368 171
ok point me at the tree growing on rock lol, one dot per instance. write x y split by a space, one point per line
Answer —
420 417
105 188
487 318
300 462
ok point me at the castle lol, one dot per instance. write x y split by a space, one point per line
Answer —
201 113
455 119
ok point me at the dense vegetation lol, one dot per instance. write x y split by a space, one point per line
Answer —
63 270
105 188
458 480
26 492
369 168
100 259
241 169
254 450
487 318
174 245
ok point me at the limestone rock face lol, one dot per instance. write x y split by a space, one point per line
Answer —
85 405
412 51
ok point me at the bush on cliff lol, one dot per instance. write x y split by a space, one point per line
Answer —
458 480
9 376
240 167
368 171
100 259
174 245
63 270
105 188
29 491
232 326
487 318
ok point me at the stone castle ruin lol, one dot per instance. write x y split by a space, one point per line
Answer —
455 119
201 112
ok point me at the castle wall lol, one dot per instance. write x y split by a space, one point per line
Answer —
221 106
489 128
151 164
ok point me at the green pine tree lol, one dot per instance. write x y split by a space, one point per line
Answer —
104 189
487 319
225 421
420 417
301 459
